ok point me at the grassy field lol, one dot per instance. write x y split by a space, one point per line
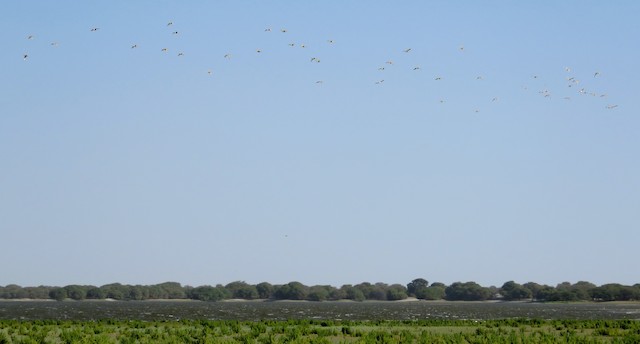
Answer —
305 331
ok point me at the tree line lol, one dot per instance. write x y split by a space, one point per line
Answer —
418 288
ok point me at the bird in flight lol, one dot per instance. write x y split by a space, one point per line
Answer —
330 41
610 107
438 78
283 30
170 23
379 82
30 37
416 68
95 29
164 50
227 56
407 50
596 74
134 46
25 57
180 54
267 30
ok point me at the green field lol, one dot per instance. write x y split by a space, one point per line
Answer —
309 331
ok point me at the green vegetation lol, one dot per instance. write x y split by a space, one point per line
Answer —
418 288
322 331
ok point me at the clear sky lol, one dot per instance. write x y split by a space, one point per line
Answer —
504 145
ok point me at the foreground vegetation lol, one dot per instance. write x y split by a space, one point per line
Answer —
309 331
418 288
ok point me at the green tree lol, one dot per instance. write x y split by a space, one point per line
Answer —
291 291
396 292
353 293
13 291
318 293
468 291
207 293
58 294
265 290
40 292
76 292
95 293
171 290
534 288
115 291
417 286
242 290
514 291
431 293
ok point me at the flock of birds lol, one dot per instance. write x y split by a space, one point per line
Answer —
572 82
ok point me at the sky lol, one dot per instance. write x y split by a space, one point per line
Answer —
377 141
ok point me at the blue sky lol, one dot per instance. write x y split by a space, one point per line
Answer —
134 165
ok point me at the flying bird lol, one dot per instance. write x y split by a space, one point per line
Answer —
407 50
416 68
227 56
170 23
95 29
330 41
596 74
283 30
25 57
30 37
610 107
180 54
267 30
379 82
164 50
134 46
